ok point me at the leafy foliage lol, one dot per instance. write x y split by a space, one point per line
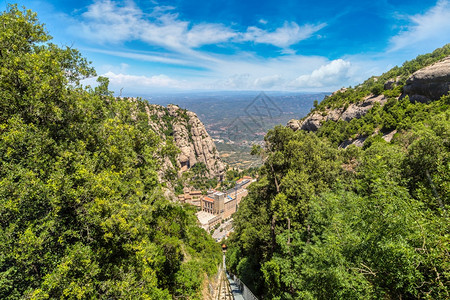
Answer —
355 223
82 214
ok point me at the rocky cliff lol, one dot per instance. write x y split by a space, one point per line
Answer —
429 83
315 119
189 136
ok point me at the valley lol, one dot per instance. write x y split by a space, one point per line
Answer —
237 120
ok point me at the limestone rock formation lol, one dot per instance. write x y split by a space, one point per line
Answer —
189 136
359 140
357 110
391 83
429 83
314 120
294 124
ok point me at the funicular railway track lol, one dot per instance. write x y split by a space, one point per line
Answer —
225 292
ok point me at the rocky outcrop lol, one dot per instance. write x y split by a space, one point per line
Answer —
315 119
341 90
357 110
389 136
294 124
429 83
391 83
189 136
359 141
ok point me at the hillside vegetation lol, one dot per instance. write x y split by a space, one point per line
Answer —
394 115
355 223
82 213
376 84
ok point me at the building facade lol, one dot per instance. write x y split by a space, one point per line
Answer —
216 206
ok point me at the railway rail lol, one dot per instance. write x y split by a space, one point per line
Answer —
224 292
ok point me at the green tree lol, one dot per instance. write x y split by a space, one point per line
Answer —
82 212
355 223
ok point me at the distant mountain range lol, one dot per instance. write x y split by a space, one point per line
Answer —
236 120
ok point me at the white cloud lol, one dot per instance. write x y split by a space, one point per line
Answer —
246 72
247 81
118 21
429 30
107 21
208 34
153 57
291 33
125 80
332 74
268 82
234 82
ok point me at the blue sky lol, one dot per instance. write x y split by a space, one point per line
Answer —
147 46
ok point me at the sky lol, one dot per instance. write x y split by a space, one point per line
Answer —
150 46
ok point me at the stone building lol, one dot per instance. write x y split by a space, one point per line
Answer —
208 220
191 197
216 206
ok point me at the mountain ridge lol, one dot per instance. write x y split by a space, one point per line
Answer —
423 79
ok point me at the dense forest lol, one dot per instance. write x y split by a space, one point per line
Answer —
82 212
356 223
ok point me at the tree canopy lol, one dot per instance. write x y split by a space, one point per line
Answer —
82 212
355 223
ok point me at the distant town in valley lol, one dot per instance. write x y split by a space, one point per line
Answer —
237 120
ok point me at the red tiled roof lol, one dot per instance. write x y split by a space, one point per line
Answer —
209 199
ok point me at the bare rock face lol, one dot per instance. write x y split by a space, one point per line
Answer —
359 140
429 83
314 120
391 83
388 136
357 110
189 135
294 124
196 145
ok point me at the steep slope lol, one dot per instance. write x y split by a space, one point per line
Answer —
327 221
190 157
189 135
314 120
